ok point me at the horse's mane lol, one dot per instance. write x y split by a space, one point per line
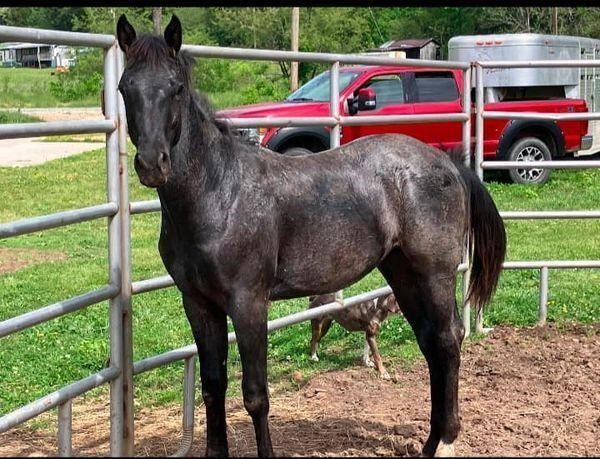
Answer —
154 51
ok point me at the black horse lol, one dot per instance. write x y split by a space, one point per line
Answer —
242 225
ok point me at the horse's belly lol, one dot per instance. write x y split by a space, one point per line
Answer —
312 270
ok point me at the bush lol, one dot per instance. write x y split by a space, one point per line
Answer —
265 90
254 81
84 79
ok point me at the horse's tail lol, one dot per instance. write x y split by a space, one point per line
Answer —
487 238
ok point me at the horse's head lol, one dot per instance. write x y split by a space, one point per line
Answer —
153 85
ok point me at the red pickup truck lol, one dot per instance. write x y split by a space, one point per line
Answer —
390 90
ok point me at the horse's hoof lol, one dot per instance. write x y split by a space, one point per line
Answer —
368 363
445 450
314 358
216 453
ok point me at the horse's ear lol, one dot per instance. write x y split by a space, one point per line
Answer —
173 34
125 33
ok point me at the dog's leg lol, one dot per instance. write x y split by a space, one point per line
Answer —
316 325
376 357
366 360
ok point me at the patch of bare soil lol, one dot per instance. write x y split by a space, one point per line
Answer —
66 113
523 392
14 259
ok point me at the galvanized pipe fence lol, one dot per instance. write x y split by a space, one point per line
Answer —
118 210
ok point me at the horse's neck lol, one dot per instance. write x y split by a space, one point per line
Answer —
204 167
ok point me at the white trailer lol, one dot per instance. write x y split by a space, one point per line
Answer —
535 83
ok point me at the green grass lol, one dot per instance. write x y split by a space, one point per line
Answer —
10 117
63 350
25 87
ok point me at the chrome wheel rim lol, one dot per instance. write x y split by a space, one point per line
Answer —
527 154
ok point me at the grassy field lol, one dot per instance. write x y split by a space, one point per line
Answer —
9 117
53 354
25 87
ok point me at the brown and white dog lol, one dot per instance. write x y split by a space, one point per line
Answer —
366 316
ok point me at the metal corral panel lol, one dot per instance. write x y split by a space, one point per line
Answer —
520 47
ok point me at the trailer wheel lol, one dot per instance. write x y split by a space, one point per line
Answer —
529 149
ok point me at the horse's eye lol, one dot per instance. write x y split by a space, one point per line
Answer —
179 88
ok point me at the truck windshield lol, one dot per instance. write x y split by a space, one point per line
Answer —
317 89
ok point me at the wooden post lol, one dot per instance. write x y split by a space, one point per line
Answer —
294 65
157 19
555 20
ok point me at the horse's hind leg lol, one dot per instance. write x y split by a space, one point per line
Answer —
209 326
249 317
427 299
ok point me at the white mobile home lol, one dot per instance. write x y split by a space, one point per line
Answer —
35 55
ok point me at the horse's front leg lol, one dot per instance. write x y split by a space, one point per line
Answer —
209 326
249 316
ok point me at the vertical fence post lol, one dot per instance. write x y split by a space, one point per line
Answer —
466 315
543 306
466 138
189 391
65 429
334 111
114 253
466 127
479 121
334 104
125 215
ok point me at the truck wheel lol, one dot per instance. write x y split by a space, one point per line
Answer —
529 149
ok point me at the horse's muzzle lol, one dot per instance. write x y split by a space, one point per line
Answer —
153 176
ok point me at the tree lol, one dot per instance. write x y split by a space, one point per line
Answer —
440 24
104 20
334 30
43 18
157 19
3 14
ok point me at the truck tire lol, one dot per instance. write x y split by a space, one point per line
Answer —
529 149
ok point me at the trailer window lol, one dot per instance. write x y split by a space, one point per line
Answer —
532 93
435 87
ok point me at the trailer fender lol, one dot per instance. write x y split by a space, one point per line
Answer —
541 129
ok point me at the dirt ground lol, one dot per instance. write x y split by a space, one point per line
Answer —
14 259
523 392
65 113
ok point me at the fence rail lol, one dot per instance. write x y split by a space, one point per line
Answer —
68 217
118 210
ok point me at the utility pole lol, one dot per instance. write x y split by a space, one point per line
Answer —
157 19
555 20
294 64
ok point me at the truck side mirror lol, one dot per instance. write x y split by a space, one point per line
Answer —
367 99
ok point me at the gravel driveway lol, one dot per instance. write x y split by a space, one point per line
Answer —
31 151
